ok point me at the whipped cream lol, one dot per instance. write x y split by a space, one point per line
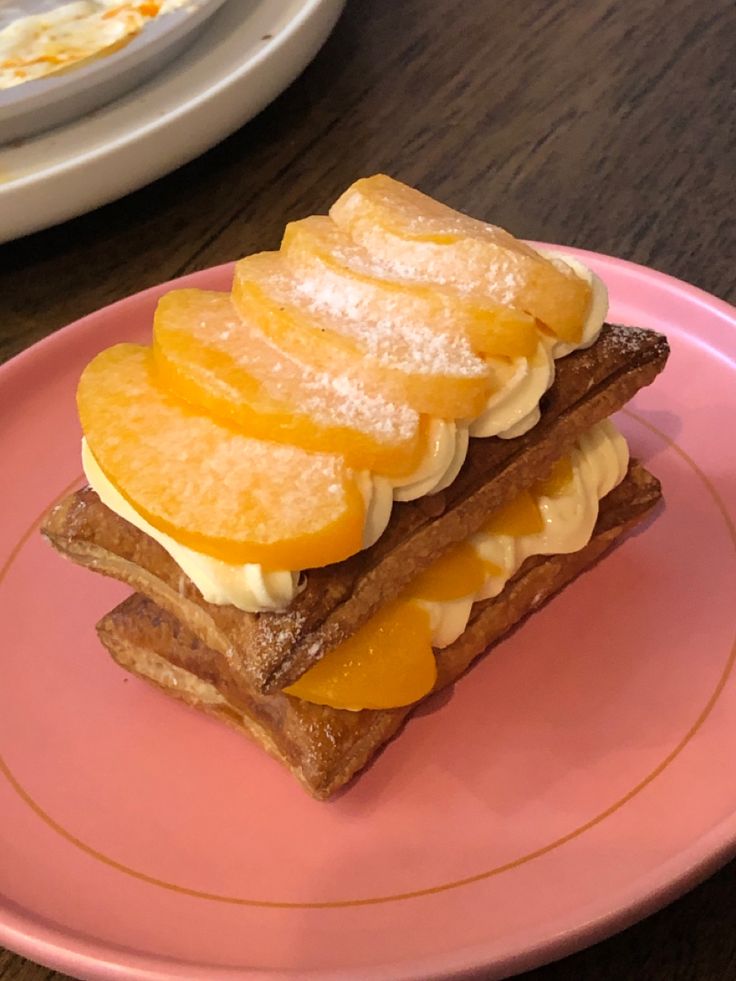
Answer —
447 447
512 410
599 463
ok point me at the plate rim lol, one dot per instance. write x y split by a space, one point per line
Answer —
641 897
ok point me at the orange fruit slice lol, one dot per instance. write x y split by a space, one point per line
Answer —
459 572
344 276
208 354
207 486
433 373
418 238
521 516
388 662
556 481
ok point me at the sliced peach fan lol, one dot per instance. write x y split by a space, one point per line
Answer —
209 487
431 372
241 434
346 278
213 357
418 238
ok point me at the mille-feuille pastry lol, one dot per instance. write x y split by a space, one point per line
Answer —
287 477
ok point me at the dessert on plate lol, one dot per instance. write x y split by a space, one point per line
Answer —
334 487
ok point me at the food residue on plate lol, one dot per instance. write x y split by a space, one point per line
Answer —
38 45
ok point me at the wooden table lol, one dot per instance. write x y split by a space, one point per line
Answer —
607 125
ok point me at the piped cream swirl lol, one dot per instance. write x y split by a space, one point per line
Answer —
599 463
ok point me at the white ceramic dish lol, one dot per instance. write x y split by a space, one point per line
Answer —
249 52
37 105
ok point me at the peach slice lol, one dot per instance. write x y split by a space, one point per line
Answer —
420 239
212 489
556 481
459 572
521 516
433 373
343 277
209 355
388 662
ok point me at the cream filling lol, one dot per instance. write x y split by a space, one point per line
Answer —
512 410
447 449
599 463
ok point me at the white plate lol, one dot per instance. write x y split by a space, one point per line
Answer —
37 105
249 52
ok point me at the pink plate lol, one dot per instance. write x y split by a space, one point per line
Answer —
578 778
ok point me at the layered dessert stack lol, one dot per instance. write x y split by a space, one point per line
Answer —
335 486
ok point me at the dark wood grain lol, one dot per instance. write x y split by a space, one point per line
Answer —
608 125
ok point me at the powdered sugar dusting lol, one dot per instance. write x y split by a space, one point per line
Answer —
338 305
285 382
175 464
